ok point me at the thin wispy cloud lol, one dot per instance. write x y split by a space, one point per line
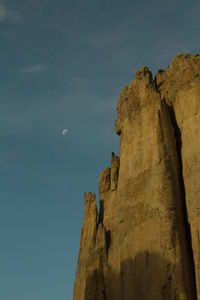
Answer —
34 69
76 81
7 15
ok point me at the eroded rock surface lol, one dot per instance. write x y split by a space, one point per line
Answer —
143 244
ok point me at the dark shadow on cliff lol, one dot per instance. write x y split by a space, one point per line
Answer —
95 286
146 277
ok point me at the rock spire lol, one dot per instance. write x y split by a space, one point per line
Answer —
144 243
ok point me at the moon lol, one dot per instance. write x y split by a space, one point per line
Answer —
65 131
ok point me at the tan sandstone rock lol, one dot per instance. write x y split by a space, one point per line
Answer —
179 85
144 243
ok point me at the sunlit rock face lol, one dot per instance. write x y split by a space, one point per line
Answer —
144 243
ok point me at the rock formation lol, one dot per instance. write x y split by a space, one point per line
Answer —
144 243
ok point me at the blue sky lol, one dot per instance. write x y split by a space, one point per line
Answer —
63 65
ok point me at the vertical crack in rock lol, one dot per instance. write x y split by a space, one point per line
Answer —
178 138
108 240
114 171
101 212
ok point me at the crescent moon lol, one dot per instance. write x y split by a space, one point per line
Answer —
65 131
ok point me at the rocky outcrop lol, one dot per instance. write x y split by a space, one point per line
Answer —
143 244
179 85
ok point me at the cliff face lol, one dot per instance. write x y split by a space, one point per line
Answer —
144 243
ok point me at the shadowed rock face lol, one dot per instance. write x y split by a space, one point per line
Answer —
144 242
